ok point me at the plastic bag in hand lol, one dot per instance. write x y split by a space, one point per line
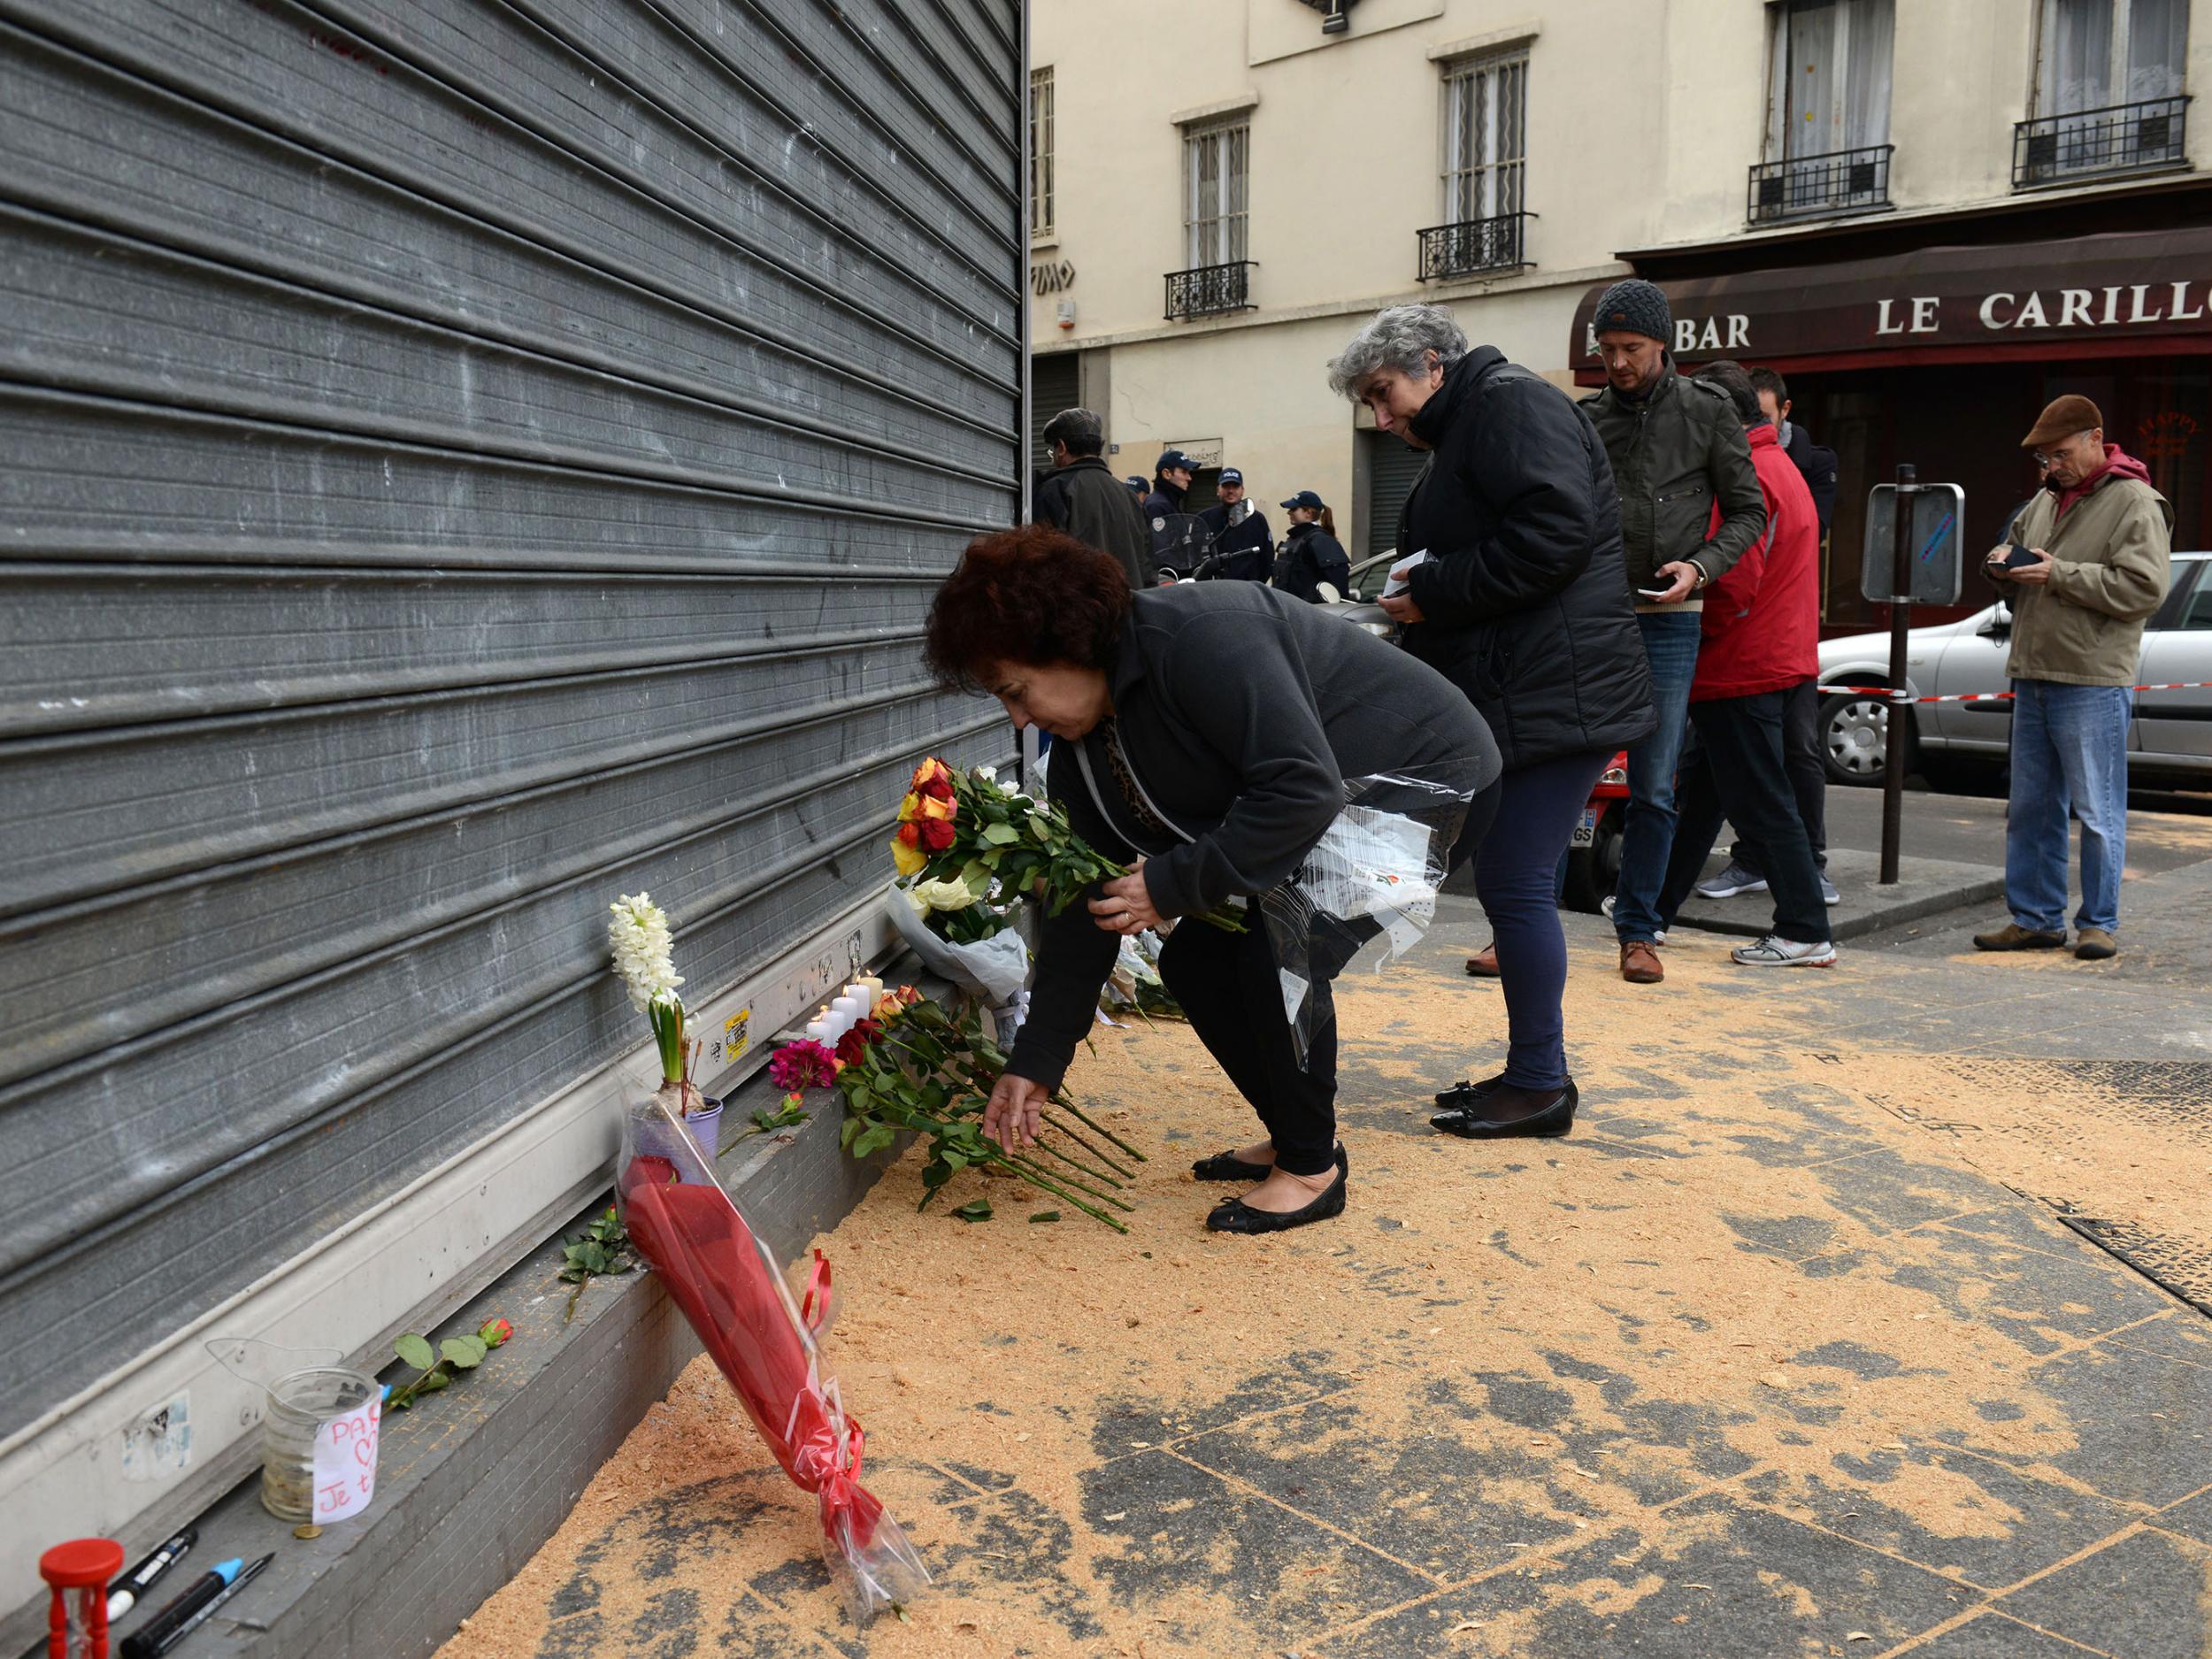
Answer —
1366 889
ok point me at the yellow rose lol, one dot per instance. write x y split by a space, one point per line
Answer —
907 808
909 860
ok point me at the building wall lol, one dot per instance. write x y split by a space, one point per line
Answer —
1644 119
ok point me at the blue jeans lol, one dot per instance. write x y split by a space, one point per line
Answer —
1515 876
2070 750
1647 825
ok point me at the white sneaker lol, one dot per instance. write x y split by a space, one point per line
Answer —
1774 951
1735 880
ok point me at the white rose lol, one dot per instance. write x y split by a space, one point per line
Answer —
944 895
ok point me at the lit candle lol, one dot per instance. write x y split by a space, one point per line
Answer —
819 1031
850 1010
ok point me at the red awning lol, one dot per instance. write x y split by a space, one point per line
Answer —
2132 295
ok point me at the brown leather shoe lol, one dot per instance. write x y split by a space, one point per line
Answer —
2094 944
1639 963
2012 936
1483 964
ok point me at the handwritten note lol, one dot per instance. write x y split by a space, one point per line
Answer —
345 1462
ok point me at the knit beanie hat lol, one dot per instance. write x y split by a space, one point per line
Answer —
1636 306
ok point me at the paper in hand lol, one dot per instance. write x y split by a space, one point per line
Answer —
1397 583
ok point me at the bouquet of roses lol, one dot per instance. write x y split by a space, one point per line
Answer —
919 1068
970 829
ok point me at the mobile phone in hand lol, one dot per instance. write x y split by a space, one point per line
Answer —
2015 555
1654 593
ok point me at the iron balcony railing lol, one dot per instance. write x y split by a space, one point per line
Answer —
2090 144
1842 182
1498 243
1208 289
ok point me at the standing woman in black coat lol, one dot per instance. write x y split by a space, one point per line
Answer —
1522 602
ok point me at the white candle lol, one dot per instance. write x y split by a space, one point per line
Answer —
819 1031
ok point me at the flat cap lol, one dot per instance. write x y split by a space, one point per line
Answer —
2062 418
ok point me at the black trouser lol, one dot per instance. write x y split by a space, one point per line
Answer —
1809 778
1231 988
1734 769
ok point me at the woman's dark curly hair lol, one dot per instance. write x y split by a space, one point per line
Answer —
1029 594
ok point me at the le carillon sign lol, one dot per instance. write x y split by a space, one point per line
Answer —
2119 294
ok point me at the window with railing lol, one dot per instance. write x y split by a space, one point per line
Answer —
2108 91
1215 187
1828 93
1483 165
1040 204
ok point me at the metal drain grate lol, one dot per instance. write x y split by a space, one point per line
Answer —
2183 1267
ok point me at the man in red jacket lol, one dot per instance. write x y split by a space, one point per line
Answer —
1760 636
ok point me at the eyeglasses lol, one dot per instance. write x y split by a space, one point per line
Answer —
2045 457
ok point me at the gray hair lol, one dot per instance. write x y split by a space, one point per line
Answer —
1083 431
1401 337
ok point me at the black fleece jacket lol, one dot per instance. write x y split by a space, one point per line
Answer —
1241 711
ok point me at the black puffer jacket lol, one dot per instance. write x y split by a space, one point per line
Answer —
1526 610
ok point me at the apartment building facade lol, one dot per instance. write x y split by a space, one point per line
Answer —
1930 215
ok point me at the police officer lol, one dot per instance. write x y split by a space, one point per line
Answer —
1241 544
1310 555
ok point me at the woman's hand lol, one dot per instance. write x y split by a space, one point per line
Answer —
1126 904
2037 574
1016 1107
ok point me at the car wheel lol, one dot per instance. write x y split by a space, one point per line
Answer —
1854 738
1594 871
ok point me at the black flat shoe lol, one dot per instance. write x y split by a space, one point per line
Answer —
1226 1166
1463 1094
1233 1214
1470 1124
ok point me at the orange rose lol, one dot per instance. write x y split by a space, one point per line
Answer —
934 778
931 807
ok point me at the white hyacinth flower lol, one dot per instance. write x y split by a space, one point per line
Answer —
637 930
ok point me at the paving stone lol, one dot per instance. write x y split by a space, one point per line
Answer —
2182 1334
1411 1495
1176 1534
1888 1192
2143 1423
2144 1597
2192 1516
2012 1524
2040 1299
1128 1423
1711 1577
1991 1635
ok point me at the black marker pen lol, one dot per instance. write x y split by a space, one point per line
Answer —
160 1634
132 1588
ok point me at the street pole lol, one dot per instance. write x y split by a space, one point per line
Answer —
1900 694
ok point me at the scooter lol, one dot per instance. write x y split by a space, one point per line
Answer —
1594 852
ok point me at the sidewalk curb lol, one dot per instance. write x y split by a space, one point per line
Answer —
1928 886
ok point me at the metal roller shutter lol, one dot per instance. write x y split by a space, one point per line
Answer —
1056 382
1393 470
458 462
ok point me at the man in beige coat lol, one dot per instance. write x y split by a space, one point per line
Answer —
2097 538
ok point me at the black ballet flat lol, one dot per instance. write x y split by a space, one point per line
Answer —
1468 1123
1233 1214
1463 1094
1225 1166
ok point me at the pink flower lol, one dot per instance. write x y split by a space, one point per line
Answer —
800 1065
495 1332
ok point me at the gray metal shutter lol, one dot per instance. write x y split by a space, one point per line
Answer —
1056 382
1392 471
457 463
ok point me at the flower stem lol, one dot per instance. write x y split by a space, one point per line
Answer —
1046 1146
1060 1099
1086 1146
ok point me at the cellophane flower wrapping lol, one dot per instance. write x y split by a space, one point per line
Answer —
763 1337
994 969
1367 890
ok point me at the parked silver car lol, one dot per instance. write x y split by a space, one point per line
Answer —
2171 739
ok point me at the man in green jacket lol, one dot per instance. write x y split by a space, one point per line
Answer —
1678 453
2097 536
